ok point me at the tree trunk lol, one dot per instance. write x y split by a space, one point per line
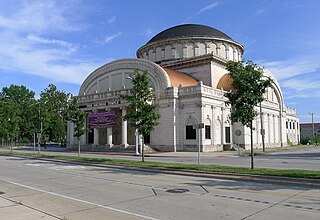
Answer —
78 147
251 140
142 143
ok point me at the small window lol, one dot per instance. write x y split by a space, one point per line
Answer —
208 132
190 132
286 124
293 124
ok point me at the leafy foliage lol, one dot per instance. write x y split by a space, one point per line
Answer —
54 112
77 117
142 114
17 105
249 85
248 89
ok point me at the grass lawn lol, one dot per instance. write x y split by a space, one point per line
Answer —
278 149
310 174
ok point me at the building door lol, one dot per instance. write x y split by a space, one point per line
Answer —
90 136
147 139
227 138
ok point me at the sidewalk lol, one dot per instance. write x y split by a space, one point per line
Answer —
12 211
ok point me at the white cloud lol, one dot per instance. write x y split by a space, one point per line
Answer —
52 63
208 7
37 39
38 16
204 9
287 69
26 45
301 84
112 19
299 78
109 39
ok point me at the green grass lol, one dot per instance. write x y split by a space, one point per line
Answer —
310 174
279 149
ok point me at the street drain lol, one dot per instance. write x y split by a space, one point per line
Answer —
1 193
177 190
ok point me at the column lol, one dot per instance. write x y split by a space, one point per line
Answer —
109 138
124 129
96 136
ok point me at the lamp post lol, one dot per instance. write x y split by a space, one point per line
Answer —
39 134
10 138
34 141
136 130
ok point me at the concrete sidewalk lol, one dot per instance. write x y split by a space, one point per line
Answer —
13 211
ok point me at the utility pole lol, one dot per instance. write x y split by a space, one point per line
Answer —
313 133
262 130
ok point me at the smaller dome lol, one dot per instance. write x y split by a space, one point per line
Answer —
189 30
225 83
180 79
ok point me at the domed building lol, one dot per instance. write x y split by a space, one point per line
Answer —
187 71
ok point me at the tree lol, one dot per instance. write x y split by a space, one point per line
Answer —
53 113
142 111
249 86
16 110
78 118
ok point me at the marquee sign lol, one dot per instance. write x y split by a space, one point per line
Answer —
102 119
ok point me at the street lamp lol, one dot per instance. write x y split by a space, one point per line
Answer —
39 134
136 130
10 138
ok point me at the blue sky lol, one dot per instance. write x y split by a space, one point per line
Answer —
61 42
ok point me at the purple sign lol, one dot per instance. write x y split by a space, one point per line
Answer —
101 119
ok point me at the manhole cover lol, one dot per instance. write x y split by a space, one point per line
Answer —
1 193
177 190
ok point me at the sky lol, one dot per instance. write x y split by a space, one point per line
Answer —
61 42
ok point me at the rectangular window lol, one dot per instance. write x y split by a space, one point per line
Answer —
293 124
190 132
290 125
228 139
286 124
207 132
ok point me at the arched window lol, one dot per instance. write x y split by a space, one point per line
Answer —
231 53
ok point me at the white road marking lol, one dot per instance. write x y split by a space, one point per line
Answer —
56 166
83 201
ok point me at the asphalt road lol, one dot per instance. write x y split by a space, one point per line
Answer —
304 158
52 190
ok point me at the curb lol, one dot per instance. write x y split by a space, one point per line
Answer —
284 181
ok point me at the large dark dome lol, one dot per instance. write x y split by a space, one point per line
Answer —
189 30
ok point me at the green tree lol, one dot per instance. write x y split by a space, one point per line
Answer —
78 118
142 112
53 113
10 121
248 85
16 107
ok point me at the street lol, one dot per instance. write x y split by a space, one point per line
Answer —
68 191
304 158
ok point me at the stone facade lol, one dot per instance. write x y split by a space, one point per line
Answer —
182 105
